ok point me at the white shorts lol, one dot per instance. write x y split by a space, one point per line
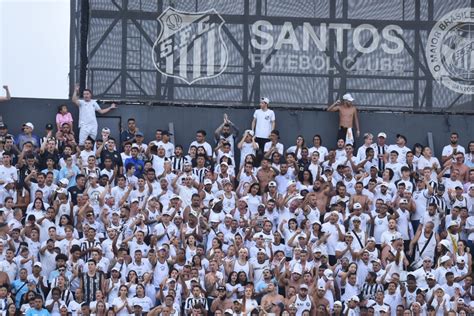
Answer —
86 131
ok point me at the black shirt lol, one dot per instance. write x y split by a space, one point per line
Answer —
114 155
45 156
302 166
75 191
126 136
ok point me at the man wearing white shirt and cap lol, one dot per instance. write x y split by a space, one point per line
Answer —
347 116
263 123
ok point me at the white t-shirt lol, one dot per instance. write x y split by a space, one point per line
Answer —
264 120
87 111
144 302
361 152
323 152
292 149
247 149
396 168
451 184
169 148
206 146
10 173
421 201
85 154
158 163
448 150
402 152
124 157
333 236
279 147
117 302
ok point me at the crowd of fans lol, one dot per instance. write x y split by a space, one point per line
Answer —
114 225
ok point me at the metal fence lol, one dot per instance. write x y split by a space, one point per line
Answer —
409 55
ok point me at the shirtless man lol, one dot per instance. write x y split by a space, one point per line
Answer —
289 278
318 296
271 302
458 163
8 96
358 197
347 116
221 301
322 191
266 173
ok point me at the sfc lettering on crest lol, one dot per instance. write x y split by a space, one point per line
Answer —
190 45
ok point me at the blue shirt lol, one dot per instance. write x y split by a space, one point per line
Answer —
63 173
138 163
35 312
23 138
20 288
55 174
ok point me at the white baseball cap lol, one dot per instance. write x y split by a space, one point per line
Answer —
348 97
453 223
266 100
290 183
445 243
382 134
329 274
355 219
30 125
444 259
297 269
460 260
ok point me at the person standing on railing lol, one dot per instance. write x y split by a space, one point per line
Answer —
7 96
87 119
347 118
263 124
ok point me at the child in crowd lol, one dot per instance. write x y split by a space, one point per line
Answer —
63 116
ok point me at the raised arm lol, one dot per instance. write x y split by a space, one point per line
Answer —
106 110
334 107
235 129
75 95
218 130
7 96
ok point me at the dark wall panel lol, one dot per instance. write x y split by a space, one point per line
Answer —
290 122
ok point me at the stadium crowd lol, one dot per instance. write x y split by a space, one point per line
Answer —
113 225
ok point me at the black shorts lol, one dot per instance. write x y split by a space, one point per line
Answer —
342 133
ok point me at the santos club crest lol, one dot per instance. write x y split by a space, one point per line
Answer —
190 45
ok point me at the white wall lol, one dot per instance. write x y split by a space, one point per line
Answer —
34 47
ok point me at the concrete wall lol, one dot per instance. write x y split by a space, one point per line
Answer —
290 122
